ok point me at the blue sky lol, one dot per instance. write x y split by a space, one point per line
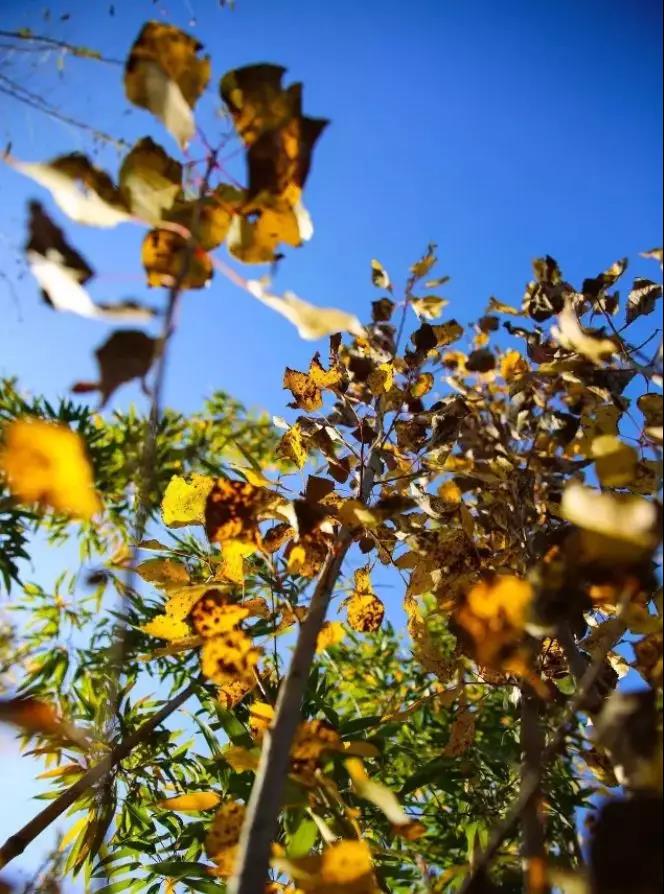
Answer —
501 131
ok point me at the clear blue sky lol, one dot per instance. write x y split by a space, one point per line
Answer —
500 130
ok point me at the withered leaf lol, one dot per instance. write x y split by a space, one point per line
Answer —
164 75
307 388
279 161
257 101
642 299
126 355
209 219
593 287
382 310
481 361
310 321
379 275
61 271
85 193
150 180
169 261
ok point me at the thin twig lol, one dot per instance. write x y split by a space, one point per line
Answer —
18 842
33 101
78 51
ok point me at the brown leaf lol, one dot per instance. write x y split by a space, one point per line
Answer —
257 101
164 75
126 355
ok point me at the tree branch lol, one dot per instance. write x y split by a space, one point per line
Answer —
260 827
531 781
18 842
534 842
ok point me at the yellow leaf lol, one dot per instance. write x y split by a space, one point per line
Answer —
513 365
429 307
614 527
46 463
163 572
494 614
570 334
167 627
261 716
616 462
365 609
233 510
378 794
65 770
72 832
257 101
184 500
422 385
331 634
381 379
307 388
229 658
164 75
225 829
169 260
291 446
215 613
310 321
360 748
191 802
241 760
232 561
379 275
345 867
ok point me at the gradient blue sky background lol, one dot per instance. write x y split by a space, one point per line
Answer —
500 130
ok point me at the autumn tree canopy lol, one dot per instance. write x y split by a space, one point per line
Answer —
220 695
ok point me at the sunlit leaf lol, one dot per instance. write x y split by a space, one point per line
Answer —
615 461
184 500
47 463
229 658
310 321
379 275
570 334
378 794
613 526
643 298
150 181
164 75
191 802
307 388
85 193
332 633
163 572
169 261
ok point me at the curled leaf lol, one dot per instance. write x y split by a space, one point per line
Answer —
164 75
310 321
84 192
570 334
